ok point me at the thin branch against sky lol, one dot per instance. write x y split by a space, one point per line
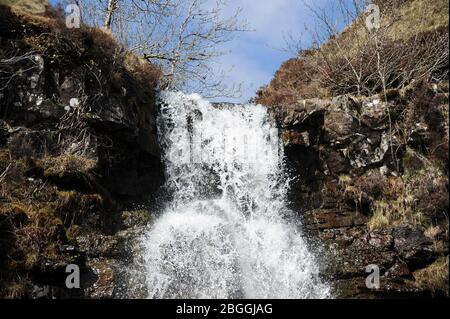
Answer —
253 57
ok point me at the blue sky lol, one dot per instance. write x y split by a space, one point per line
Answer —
256 55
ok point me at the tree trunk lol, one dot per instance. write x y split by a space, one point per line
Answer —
112 6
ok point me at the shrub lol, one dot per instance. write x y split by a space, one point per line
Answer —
412 45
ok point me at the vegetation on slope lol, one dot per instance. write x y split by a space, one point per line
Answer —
403 68
411 45
27 6
55 153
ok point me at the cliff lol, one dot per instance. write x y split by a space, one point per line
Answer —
77 144
373 200
373 168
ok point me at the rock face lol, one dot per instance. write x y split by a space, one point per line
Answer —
365 176
78 142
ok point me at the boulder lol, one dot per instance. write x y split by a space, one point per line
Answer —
413 246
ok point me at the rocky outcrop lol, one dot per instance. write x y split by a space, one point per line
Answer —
365 177
78 143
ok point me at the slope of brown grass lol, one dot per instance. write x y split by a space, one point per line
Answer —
410 28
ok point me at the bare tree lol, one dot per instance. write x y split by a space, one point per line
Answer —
355 59
350 57
184 37
112 6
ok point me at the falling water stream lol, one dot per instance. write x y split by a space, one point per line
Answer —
224 231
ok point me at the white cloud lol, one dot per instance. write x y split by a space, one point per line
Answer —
256 54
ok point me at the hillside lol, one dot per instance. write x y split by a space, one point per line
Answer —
26 6
410 29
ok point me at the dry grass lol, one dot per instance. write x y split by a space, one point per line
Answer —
62 164
26 6
423 14
73 206
329 69
419 199
434 278
36 218
144 72
395 212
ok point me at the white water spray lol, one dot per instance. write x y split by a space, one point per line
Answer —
223 233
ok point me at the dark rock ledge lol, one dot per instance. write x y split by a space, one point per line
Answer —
369 196
78 144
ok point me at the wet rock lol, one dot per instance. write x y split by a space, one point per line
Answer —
360 254
296 138
398 271
101 246
104 279
381 239
40 292
135 218
53 272
334 218
397 252
413 246
352 288
336 162
351 137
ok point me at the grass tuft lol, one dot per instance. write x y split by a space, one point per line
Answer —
434 277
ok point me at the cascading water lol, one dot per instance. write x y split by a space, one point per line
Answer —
223 233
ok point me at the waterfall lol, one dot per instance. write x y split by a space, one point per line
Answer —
223 232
